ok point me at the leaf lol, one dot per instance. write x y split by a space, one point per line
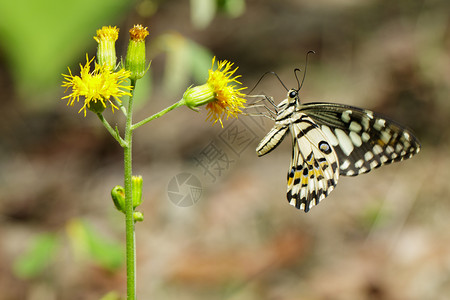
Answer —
233 8
87 242
39 256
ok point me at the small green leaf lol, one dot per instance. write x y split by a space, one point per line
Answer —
233 8
87 242
37 257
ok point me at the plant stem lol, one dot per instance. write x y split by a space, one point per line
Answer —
126 143
159 114
129 222
122 108
113 132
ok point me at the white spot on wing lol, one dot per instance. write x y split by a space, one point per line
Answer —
385 136
379 124
373 164
365 137
356 139
377 149
329 134
389 149
354 126
365 123
346 116
359 163
345 165
368 155
344 141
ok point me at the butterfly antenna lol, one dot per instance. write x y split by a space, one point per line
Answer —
273 73
306 65
297 70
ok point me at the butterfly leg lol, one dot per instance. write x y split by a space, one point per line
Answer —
258 105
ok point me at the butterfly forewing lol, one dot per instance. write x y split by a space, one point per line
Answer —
279 130
362 139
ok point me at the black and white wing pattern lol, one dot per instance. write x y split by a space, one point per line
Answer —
362 139
331 140
313 172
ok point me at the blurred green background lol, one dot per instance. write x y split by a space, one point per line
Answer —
384 235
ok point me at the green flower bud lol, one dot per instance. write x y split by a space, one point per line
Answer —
136 187
199 95
138 216
135 60
106 51
118 197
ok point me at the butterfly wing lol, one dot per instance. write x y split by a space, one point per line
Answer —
272 139
313 172
279 130
363 140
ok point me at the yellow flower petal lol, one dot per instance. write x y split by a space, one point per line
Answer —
100 85
228 98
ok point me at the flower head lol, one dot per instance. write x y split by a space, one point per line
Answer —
106 51
135 59
221 96
98 88
138 33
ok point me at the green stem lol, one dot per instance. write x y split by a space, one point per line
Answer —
129 222
122 108
159 114
113 132
126 143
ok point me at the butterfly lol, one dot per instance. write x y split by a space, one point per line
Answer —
330 140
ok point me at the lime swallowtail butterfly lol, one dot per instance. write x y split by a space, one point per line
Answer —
330 140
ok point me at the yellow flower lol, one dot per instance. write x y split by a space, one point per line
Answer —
98 87
221 96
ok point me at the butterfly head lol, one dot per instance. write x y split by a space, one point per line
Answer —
292 96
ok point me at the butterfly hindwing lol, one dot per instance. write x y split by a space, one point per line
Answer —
313 171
